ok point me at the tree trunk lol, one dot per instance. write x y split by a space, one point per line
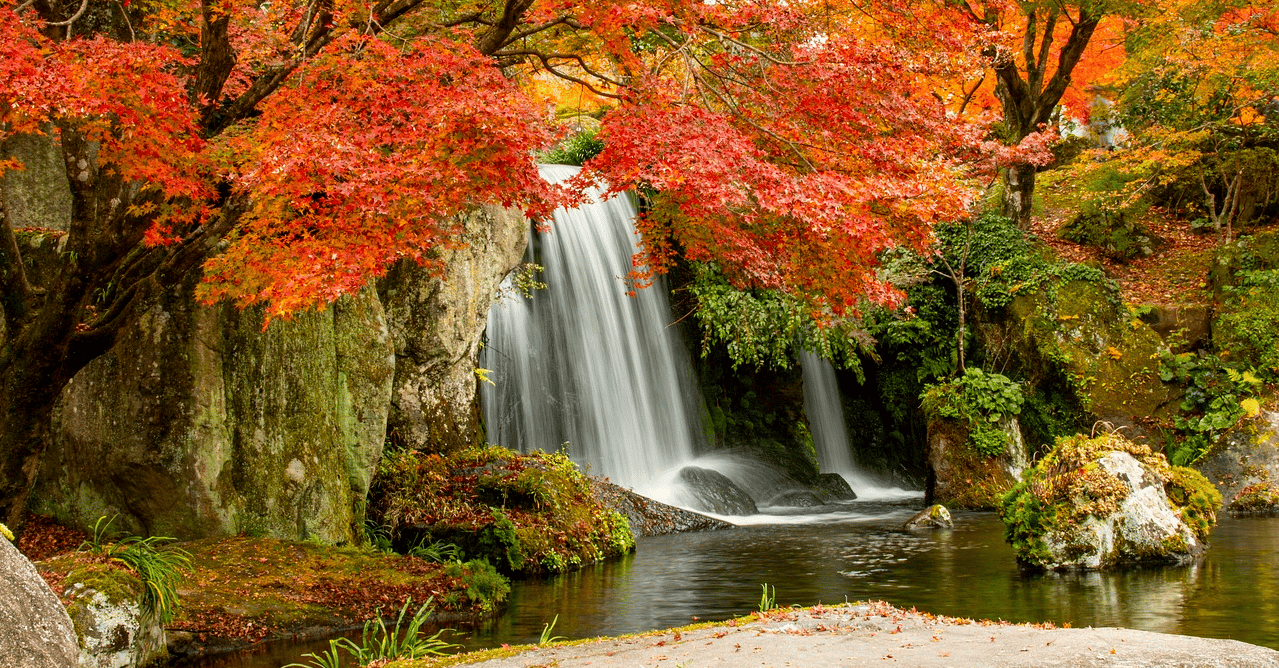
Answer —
1019 193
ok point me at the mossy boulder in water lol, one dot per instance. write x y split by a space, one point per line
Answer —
1096 503
935 516
527 514
710 491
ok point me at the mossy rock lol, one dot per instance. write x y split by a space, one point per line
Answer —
961 476
1096 503
1245 456
528 514
1257 499
1108 357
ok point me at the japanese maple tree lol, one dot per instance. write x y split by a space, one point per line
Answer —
291 151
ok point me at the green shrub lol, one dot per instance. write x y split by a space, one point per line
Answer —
160 569
575 150
1248 329
980 401
1217 396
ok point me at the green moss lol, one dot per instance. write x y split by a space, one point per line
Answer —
116 583
527 514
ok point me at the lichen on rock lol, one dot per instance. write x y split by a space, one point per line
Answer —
113 627
1095 503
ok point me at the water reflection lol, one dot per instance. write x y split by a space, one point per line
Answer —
965 572
861 553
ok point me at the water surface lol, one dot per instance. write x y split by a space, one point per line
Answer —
862 553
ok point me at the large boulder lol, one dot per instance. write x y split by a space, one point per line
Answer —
1077 334
435 324
35 631
1095 503
1244 465
199 422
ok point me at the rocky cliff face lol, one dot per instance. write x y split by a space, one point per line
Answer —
201 423
436 324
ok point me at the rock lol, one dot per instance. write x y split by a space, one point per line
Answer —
39 194
963 477
1081 332
1244 464
1106 501
436 324
112 626
833 487
35 631
1186 324
200 423
712 492
935 516
796 498
648 517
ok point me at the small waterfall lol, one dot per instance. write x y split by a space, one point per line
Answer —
583 363
830 433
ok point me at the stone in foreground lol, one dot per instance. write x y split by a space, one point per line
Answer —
35 631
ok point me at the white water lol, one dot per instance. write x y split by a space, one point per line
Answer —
585 364
830 433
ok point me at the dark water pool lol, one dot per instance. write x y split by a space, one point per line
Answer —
863 554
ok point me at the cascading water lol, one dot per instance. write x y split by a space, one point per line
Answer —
583 363
830 432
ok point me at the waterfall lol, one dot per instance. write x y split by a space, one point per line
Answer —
830 433
582 363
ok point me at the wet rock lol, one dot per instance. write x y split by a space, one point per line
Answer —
796 498
935 516
35 631
833 487
648 517
1106 501
713 492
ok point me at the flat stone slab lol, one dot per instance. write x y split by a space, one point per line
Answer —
877 634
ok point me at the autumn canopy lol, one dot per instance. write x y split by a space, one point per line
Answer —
292 150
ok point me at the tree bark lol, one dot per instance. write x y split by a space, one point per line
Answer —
1019 193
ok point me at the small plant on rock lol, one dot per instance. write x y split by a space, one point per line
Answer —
159 568
980 400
